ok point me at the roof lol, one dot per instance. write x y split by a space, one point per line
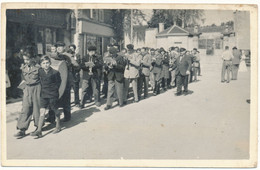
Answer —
209 29
173 30
177 31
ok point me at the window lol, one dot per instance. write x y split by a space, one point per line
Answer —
101 15
218 43
202 44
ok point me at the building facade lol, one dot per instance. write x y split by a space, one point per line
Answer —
92 27
38 28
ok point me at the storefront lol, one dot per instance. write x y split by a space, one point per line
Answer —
37 28
94 30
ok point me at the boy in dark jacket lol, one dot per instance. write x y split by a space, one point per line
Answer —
50 82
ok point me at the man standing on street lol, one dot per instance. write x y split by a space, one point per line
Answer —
75 69
143 80
92 72
131 71
64 101
227 63
235 62
115 66
183 65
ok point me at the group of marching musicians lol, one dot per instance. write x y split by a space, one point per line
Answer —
142 67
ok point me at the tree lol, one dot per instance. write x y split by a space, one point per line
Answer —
121 22
178 17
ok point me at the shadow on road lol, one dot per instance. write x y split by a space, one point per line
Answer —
79 116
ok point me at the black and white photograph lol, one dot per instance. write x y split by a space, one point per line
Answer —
129 85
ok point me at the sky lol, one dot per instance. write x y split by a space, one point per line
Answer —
211 16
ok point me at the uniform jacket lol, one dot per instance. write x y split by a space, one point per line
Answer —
117 72
133 65
31 76
237 57
183 65
75 66
50 83
157 64
145 66
96 70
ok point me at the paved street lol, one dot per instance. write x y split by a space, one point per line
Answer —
210 123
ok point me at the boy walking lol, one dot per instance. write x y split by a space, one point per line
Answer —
31 97
50 82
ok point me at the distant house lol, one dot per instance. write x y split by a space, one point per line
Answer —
209 40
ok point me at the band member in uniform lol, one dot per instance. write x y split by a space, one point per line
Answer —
165 70
31 93
152 54
64 100
115 66
92 73
183 65
157 71
105 85
173 56
75 69
144 73
196 63
131 71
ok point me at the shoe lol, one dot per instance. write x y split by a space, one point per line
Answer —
107 107
177 94
66 119
125 102
77 105
222 81
98 104
136 101
56 130
21 133
227 81
50 120
81 106
36 133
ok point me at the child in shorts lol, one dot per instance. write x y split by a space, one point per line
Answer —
50 80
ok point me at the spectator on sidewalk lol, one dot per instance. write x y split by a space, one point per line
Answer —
226 66
235 62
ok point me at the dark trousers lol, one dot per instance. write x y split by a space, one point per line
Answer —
191 75
165 82
199 70
142 81
105 85
157 82
182 81
115 87
31 107
226 66
87 84
195 73
234 71
75 87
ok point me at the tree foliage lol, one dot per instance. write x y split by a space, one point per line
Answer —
121 22
181 18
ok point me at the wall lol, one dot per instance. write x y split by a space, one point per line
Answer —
150 37
242 29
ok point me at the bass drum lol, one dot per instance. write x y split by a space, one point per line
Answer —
61 66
